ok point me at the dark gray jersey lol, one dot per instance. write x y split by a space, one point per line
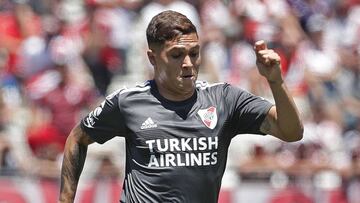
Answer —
175 151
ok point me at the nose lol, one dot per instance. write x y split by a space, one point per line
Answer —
187 62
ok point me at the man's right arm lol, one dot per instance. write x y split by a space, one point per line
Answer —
73 163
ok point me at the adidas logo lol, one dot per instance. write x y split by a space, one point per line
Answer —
149 123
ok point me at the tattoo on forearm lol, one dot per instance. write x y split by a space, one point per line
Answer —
73 163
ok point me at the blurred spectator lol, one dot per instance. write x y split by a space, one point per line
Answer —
354 178
7 164
320 61
106 37
213 36
18 23
55 111
324 132
305 9
348 84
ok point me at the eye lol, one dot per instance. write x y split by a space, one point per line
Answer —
194 54
176 55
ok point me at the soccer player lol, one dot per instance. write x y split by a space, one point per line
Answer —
177 129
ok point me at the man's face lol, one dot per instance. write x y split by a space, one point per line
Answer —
177 64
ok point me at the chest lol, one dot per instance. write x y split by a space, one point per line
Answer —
183 135
195 120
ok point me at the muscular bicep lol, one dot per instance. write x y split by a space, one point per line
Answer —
270 126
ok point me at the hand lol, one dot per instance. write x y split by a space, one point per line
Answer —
268 62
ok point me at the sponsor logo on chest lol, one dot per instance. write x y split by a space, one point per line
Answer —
208 117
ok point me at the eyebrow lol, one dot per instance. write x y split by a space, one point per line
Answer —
179 47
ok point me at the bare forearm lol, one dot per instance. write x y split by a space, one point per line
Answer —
73 163
288 119
283 121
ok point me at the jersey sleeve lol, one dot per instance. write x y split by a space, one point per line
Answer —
247 111
105 121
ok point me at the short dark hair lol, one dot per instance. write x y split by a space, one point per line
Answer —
166 26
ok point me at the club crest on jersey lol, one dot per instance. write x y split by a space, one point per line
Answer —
208 117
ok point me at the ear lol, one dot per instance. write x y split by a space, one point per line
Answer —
151 57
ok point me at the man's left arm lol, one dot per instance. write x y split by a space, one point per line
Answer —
283 120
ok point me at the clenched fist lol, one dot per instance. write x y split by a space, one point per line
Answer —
268 62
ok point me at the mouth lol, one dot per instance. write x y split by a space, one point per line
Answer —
190 76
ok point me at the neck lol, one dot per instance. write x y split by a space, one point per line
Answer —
173 95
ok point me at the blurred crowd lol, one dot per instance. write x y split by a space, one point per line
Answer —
59 58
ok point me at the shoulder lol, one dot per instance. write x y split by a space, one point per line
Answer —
204 85
223 91
218 87
130 91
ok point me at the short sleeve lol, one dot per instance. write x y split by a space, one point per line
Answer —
247 111
105 121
